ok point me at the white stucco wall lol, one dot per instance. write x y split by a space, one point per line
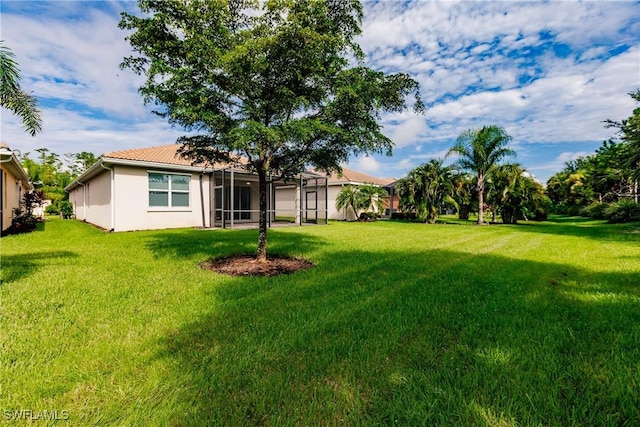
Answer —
97 195
334 213
132 211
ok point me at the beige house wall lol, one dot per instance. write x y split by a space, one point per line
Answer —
287 203
334 213
12 191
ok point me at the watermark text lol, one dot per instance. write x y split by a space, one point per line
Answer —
33 415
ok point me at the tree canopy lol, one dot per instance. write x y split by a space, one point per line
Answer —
596 184
280 83
12 97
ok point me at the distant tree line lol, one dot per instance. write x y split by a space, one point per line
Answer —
477 182
603 185
50 174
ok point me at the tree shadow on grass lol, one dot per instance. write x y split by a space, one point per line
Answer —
16 267
205 244
579 227
429 338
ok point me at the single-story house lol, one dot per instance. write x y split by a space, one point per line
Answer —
14 182
155 188
350 177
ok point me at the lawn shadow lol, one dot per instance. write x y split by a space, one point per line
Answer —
204 244
15 267
433 337
579 227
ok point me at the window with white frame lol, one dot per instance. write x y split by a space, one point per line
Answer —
168 190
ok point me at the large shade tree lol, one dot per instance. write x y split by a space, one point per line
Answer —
480 151
13 97
280 84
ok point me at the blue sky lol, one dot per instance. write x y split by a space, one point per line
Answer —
548 72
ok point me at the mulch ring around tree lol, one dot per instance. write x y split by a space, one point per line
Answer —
246 265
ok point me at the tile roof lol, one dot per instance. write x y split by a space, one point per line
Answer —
168 154
349 175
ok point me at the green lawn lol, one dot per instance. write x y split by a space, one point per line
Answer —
398 324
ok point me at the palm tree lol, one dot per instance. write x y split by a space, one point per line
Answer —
426 189
373 198
364 197
464 194
12 97
515 194
349 197
480 150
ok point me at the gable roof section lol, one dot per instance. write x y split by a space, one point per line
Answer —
349 176
164 154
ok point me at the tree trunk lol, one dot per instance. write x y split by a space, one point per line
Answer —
262 224
463 212
480 198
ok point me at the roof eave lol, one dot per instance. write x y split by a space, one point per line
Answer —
106 162
13 164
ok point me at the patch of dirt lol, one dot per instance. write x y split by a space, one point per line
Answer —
246 265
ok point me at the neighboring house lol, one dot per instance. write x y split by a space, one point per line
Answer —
350 177
154 188
14 182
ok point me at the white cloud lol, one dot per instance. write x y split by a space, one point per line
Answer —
368 165
549 72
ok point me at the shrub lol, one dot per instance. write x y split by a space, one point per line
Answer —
66 209
52 209
594 210
23 223
624 210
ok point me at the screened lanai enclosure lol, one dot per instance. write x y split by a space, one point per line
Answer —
299 201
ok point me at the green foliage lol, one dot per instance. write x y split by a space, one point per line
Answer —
464 194
12 97
48 172
52 209
426 189
515 195
66 209
23 220
611 174
280 84
624 210
77 163
480 151
595 210
368 198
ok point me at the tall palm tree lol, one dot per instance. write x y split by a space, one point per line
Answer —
480 150
12 97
